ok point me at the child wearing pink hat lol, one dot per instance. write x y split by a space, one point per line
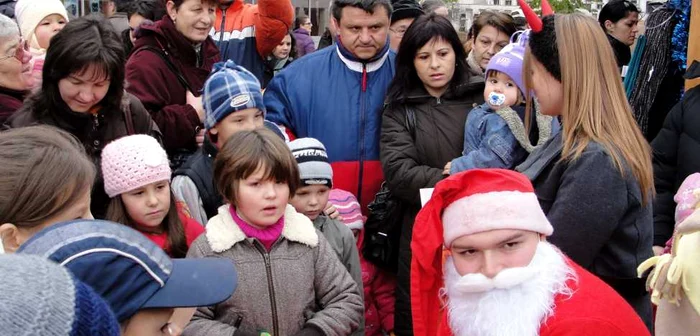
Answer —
137 178
378 285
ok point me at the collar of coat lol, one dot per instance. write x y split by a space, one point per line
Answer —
222 232
355 64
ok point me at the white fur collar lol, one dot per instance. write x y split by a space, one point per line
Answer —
222 232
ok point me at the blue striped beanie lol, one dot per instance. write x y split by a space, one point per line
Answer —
39 297
228 89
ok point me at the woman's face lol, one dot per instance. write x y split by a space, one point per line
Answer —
15 67
47 28
435 65
81 91
548 90
282 50
624 30
134 22
194 19
487 43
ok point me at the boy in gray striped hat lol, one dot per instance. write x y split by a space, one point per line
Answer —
311 198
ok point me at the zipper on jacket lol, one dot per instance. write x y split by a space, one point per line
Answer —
362 132
224 9
270 287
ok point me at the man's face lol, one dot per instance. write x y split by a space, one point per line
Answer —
490 252
396 32
362 33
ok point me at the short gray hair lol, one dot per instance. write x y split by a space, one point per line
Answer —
8 28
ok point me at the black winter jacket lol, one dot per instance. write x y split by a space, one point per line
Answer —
676 149
411 164
599 217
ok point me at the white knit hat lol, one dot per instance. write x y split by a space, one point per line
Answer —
132 162
30 12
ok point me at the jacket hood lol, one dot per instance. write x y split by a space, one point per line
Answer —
166 36
222 232
302 31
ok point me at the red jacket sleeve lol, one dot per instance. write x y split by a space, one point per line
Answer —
272 24
150 80
383 292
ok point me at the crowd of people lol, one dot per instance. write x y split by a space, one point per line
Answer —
202 167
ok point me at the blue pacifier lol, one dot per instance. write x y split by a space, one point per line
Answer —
496 99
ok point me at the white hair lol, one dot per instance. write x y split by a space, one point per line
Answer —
8 28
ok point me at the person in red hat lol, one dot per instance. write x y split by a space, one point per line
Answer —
481 266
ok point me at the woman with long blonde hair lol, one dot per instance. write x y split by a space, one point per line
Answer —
594 179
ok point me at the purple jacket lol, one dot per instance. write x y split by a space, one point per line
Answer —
305 44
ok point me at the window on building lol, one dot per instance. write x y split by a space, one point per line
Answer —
509 2
496 2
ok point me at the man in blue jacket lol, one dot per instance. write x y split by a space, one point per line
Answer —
336 95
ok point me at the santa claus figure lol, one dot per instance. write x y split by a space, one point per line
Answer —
481 266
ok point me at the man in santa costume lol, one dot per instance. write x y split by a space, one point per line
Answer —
481 266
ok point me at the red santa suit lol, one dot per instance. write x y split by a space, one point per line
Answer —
593 309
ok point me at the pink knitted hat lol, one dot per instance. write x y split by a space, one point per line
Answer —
348 207
132 162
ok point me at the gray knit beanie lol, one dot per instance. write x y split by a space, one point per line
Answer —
312 159
39 297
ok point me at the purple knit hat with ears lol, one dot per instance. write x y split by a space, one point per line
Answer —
510 60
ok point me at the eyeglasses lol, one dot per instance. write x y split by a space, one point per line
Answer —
22 48
399 32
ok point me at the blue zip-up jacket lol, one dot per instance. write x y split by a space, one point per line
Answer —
497 139
336 98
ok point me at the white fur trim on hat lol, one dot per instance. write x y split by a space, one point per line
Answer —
494 211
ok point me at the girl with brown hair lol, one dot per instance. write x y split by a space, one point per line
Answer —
593 180
308 290
137 179
45 178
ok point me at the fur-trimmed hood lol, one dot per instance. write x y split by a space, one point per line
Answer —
222 232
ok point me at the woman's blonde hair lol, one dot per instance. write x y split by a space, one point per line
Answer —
595 106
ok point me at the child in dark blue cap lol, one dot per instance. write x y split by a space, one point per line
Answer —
138 280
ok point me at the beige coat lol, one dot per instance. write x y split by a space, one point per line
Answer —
299 283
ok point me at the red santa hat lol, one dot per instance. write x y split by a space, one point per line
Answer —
474 201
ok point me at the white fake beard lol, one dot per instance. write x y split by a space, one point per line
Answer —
514 303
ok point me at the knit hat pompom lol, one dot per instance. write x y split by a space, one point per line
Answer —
230 88
40 297
132 162
312 159
543 46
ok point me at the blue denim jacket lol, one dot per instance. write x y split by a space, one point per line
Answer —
498 139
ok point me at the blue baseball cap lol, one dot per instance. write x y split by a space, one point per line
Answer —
129 271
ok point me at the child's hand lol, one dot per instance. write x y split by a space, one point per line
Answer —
331 211
446 171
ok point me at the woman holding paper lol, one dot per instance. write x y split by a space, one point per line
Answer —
434 89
